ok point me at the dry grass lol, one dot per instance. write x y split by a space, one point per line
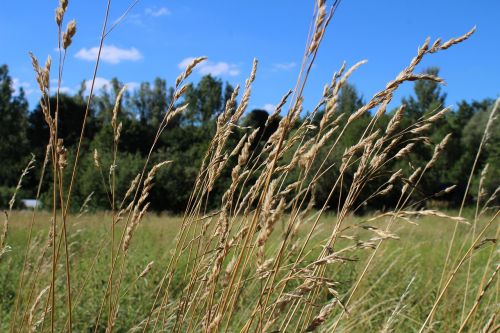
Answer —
269 260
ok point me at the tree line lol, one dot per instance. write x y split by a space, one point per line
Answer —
24 132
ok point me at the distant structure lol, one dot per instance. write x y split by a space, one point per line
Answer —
31 203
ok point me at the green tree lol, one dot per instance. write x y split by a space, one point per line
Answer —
105 102
151 103
429 97
471 139
349 102
71 114
349 99
14 148
206 100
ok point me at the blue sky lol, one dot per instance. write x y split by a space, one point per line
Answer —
158 35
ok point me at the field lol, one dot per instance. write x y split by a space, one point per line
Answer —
396 296
181 209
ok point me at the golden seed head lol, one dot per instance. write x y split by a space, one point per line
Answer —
59 15
62 160
63 4
189 70
96 159
116 107
146 270
67 36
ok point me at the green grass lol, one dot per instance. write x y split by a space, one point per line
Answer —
418 255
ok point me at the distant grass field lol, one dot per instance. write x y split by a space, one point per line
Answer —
401 283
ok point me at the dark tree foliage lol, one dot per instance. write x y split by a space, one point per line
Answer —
256 119
206 100
71 114
187 138
14 145
428 97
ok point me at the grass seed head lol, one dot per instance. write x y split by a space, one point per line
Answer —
67 37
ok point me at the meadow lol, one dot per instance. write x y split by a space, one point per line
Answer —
330 220
395 297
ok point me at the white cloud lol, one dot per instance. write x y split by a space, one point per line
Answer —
212 68
63 89
18 84
269 107
110 54
132 18
284 66
185 62
101 83
67 90
163 11
220 68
